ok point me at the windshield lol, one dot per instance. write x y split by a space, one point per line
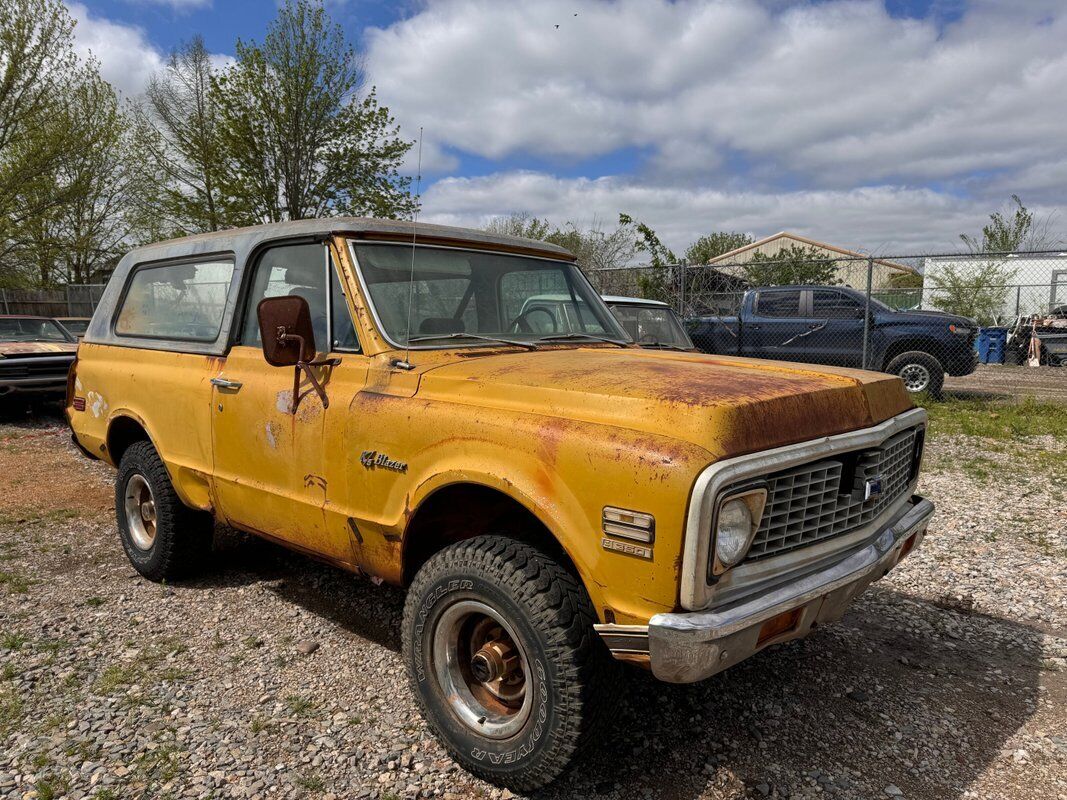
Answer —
76 326
461 298
31 330
652 326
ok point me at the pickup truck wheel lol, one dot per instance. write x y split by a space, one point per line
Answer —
163 538
921 372
501 653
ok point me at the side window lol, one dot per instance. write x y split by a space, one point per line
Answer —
778 304
344 332
295 270
176 301
835 305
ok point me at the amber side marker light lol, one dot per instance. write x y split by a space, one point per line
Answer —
786 622
906 548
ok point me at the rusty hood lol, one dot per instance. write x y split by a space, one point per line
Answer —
729 406
15 349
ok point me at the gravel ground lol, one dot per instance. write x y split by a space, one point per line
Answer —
275 676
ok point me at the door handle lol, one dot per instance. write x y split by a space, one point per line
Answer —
222 383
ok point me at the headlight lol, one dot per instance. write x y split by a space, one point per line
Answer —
736 523
956 329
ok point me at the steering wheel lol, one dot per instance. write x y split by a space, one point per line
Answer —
521 323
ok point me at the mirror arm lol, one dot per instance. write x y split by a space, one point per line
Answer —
305 367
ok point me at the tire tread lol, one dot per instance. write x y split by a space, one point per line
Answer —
561 609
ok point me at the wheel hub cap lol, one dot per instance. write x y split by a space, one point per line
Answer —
916 377
140 505
481 669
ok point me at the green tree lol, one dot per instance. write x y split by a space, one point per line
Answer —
713 245
38 71
653 283
87 232
180 150
793 265
595 248
977 287
299 139
522 225
1010 230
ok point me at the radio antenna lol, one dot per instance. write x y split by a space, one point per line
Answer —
406 364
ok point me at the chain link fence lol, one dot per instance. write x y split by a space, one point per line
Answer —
955 324
961 325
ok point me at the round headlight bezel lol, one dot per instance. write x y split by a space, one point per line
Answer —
753 500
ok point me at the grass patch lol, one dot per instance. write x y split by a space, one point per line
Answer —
258 725
15 583
49 788
298 706
997 419
159 765
12 641
979 469
11 710
115 677
311 783
10 519
95 602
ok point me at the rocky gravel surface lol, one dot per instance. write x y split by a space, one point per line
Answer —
273 676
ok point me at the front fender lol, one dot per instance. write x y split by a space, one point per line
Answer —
564 472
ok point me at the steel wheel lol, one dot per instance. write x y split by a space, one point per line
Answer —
141 512
481 668
916 377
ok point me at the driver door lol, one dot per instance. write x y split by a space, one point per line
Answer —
268 462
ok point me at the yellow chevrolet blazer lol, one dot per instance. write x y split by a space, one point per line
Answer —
554 497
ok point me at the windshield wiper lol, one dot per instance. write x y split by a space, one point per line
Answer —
664 345
563 337
478 336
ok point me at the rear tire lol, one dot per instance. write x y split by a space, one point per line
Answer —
502 656
163 538
920 371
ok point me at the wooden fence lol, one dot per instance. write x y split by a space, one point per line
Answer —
73 300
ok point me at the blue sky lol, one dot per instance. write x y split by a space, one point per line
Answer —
883 126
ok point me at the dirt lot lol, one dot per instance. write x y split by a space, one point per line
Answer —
1000 380
947 680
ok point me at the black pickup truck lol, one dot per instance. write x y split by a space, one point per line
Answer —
825 325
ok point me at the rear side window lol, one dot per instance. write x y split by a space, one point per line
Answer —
176 301
778 304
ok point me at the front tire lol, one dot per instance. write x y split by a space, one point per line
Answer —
163 538
920 371
502 656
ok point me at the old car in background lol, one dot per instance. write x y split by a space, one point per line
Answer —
35 356
829 325
650 323
76 326
401 402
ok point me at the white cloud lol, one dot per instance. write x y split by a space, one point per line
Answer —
886 220
837 93
126 57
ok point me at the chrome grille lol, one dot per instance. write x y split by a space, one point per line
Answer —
824 499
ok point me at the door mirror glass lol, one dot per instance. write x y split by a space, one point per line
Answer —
286 331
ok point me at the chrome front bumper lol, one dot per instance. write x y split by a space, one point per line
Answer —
688 647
